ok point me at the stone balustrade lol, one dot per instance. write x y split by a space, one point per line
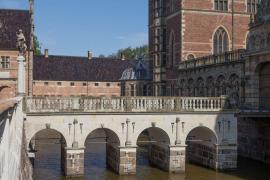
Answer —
124 104
230 56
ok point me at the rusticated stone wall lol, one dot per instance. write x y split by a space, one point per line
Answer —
73 162
171 159
159 156
127 163
202 154
254 138
224 157
112 157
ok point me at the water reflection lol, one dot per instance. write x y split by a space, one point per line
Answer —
47 167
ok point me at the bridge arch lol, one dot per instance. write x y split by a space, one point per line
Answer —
104 133
102 144
153 147
155 133
203 131
32 132
44 144
201 148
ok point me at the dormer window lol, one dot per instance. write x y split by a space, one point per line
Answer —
221 5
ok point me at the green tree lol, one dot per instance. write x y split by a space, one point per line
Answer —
37 46
132 53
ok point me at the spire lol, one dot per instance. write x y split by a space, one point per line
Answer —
31 11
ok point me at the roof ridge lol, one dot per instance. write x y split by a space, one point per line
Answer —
6 9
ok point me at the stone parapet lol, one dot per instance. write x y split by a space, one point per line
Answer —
123 104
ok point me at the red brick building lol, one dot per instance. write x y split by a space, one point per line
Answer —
77 76
10 22
186 29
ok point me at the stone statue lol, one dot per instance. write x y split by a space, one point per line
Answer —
21 43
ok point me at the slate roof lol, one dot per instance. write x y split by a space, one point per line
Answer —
140 71
10 22
69 68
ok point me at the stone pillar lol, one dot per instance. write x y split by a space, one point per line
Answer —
226 157
21 76
127 160
177 159
168 158
128 142
224 101
73 162
177 141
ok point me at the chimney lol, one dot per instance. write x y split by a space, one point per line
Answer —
90 55
46 53
123 57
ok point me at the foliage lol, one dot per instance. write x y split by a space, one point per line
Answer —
132 53
37 46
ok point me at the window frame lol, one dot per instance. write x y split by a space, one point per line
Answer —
219 43
5 62
221 5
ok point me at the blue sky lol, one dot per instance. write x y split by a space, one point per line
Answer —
72 27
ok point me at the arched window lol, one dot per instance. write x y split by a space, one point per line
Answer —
221 41
221 5
268 40
190 56
172 49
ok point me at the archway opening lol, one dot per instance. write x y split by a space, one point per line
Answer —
153 149
101 152
264 81
201 147
47 150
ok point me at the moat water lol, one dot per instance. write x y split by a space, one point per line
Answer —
47 167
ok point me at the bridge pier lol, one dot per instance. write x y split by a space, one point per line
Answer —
221 157
167 158
226 157
122 160
73 161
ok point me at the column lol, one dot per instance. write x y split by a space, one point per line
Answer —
73 162
21 76
128 142
177 141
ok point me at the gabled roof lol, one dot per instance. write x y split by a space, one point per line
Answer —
10 22
70 68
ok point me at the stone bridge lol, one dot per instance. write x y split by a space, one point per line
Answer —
202 130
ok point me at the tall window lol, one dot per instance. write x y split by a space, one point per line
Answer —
268 40
158 8
132 90
221 41
5 62
221 5
252 6
172 49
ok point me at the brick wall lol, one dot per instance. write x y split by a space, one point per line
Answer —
8 76
52 88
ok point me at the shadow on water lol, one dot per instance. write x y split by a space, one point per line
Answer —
47 167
